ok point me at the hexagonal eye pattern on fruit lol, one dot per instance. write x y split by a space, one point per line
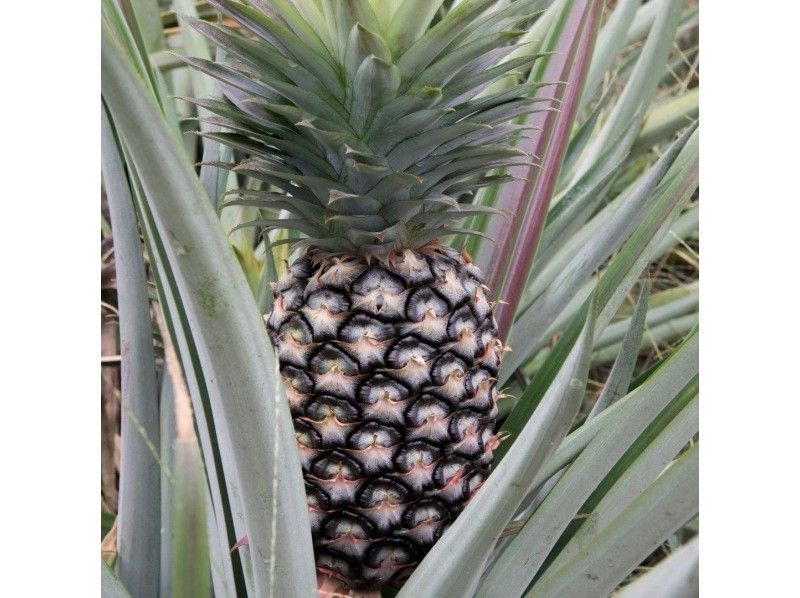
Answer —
383 501
383 399
380 294
373 444
385 559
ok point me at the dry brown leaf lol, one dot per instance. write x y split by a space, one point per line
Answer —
108 547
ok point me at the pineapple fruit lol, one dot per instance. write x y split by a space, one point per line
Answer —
370 123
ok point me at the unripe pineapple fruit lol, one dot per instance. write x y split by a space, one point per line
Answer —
370 124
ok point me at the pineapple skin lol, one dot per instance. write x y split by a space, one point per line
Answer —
390 371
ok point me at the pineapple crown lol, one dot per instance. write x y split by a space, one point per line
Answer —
374 120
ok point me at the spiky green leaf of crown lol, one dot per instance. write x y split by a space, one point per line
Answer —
375 129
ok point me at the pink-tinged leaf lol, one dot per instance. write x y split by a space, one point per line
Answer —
243 541
507 262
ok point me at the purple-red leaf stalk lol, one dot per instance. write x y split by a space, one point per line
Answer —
507 263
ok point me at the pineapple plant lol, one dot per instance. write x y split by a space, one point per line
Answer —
358 133
371 137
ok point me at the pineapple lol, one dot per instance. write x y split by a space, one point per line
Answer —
371 123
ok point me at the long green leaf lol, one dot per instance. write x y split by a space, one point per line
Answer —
115 18
575 442
191 568
619 378
214 179
666 118
677 576
647 459
667 332
687 226
554 468
148 19
203 86
609 43
568 450
220 305
529 330
139 513
613 553
579 200
219 555
643 20
215 440
640 88
187 529
622 272
110 585
679 304
520 562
